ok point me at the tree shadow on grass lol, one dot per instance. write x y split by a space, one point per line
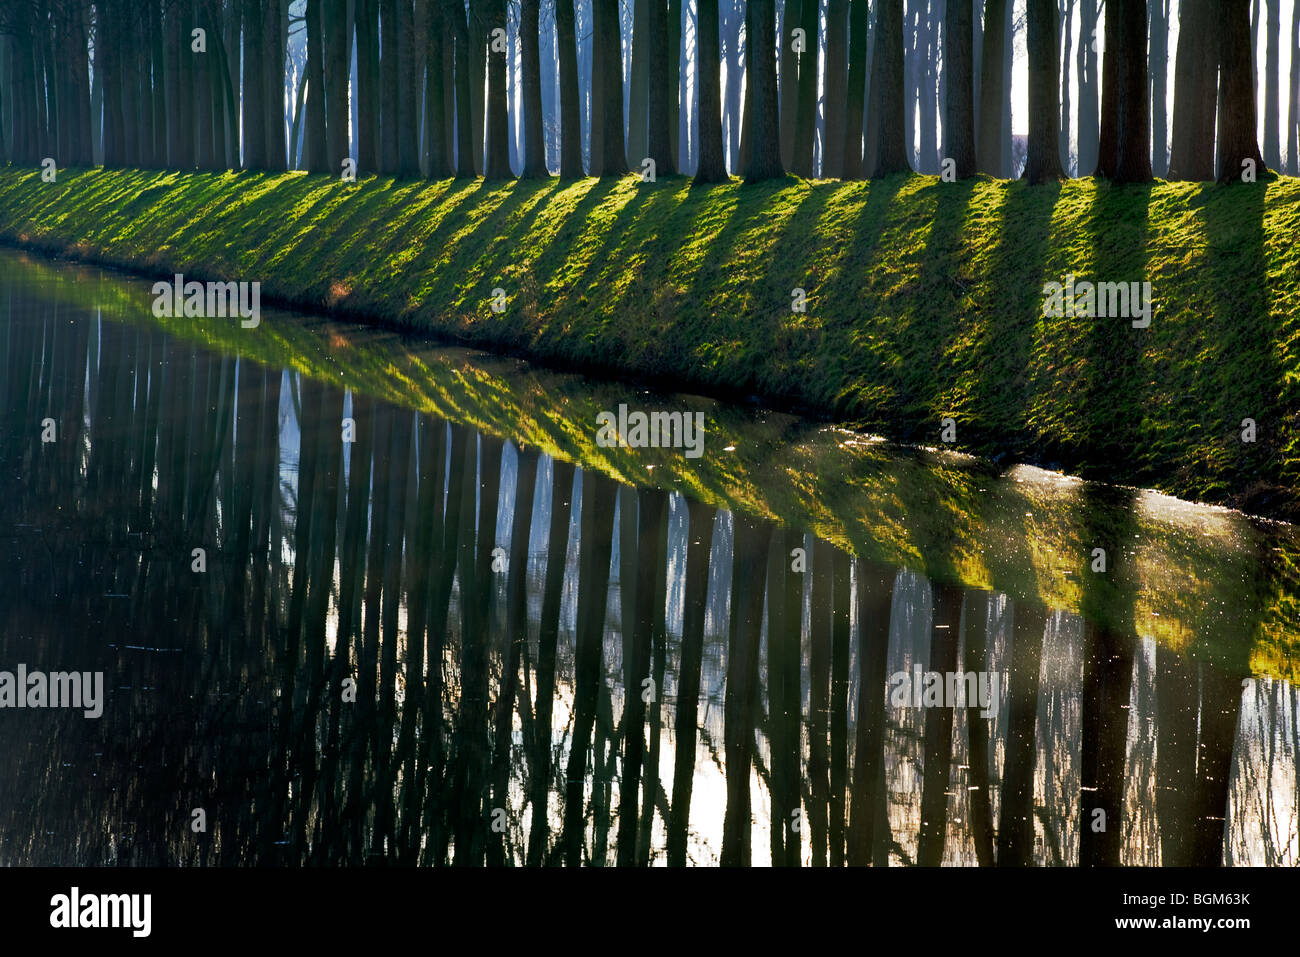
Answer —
1008 318
943 290
500 236
551 259
1112 409
1244 333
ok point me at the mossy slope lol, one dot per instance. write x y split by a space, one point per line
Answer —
924 298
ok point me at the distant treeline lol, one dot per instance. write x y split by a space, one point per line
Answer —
834 88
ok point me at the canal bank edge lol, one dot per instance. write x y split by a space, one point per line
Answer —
922 300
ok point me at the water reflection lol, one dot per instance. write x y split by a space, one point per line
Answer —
429 645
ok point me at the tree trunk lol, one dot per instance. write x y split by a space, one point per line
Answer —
764 161
694 605
1111 80
108 29
1067 40
887 75
1087 122
927 90
959 75
275 30
750 558
837 66
338 69
389 86
789 92
497 156
1158 65
1272 82
712 166
529 35
1293 115
856 98
661 88
992 90
731 110
1009 158
805 128
1195 94
638 100
1237 126
608 157
315 149
368 97
435 99
84 150
254 88
1134 128
478 69
570 101
676 88
595 534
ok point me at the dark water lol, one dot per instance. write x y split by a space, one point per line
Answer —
459 638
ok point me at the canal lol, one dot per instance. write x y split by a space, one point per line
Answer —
355 598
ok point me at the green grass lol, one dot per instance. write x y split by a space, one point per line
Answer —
924 298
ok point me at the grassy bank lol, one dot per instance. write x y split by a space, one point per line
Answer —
923 298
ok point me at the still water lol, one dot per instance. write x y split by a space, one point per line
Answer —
359 599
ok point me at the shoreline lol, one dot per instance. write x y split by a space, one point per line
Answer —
590 267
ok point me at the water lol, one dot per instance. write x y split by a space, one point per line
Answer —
473 634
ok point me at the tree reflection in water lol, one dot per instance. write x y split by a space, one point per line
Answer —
430 645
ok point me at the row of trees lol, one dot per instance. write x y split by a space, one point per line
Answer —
840 88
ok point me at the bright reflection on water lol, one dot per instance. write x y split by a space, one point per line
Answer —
442 643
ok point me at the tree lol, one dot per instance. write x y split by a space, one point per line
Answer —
806 121
464 122
108 25
1044 160
1293 115
1087 69
254 87
389 86
534 149
1238 146
570 108
764 160
959 75
638 95
789 92
275 29
315 148
1108 143
1158 64
1195 94
607 153
1134 126
1067 38
1272 80
337 70
836 104
368 93
887 76
993 90
659 137
712 166
435 95
496 158
410 46
676 116
855 100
